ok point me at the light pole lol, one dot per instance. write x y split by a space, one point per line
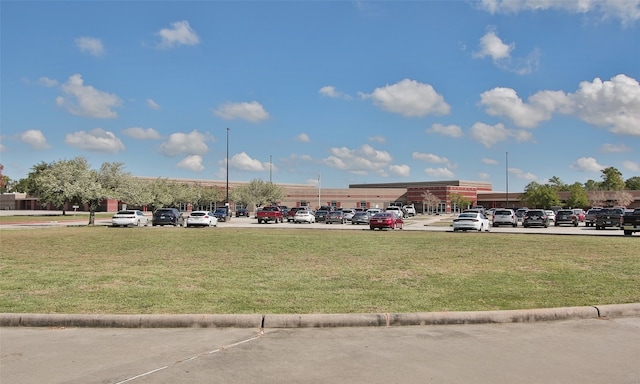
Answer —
507 176
270 168
227 198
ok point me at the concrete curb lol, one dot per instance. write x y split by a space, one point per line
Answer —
319 320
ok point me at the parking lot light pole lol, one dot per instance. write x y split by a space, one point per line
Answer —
227 197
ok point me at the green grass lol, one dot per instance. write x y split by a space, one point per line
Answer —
240 270
52 217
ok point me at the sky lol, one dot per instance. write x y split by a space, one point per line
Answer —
330 92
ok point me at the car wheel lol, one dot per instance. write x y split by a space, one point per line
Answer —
575 224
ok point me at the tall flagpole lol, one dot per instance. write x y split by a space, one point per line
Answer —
319 189
507 176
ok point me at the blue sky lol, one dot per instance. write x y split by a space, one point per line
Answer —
351 91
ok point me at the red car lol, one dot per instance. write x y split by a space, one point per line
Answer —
384 220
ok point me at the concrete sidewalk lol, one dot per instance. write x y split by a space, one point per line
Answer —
318 320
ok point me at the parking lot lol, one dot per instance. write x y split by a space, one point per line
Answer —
427 223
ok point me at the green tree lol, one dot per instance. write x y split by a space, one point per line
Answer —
540 196
612 179
633 183
459 201
258 193
577 196
557 184
592 185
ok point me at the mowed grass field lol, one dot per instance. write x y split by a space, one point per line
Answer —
240 270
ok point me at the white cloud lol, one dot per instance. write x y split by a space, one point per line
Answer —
378 139
331 91
489 135
243 162
191 163
192 143
400 170
447 130
91 45
142 133
359 161
152 104
47 82
488 161
96 140
429 158
409 98
520 174
295 157
613 104
631 166
35 139
303 138
613 148
491 45
180 33
484 176
252 111
440 173
587 164
628 11
85 100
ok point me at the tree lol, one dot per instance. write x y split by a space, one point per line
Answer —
540 196
430 200
257 193
4 180
612 179
633 183
596 198
622 198
592 185
459 201
557 184
577 196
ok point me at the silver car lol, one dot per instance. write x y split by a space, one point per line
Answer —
505 217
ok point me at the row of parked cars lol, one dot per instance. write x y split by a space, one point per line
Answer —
170 216
375 218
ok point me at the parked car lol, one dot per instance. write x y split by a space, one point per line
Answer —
474 221
535 218
505 217
580 214
270 213
168 216
360 218
348 213
385 220
291 214
590 216
609 217
566 217
304 216
321 215
222 214
202 219
242 212
520 213
409 210
334 217
129 218
397 210
551 215
373 211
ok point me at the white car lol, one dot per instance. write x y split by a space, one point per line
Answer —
397 210
202 219
304 216
129 218
348 213
471 221
505 217
551 215
409 210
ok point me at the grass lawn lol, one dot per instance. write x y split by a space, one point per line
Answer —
240 270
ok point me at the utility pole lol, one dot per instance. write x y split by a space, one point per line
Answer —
270 168
507 176
227 198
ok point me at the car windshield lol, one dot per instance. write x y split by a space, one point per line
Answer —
468 215
221 210
503 213
198 213
126 213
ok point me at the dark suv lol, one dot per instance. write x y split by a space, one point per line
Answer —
223 214
566 216
168 216
535 217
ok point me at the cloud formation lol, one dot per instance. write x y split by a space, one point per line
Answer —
253 111
142 133
409 98
360 161
91 45
191 163
85 100
243 162
192 143
180 33
96 140
35 139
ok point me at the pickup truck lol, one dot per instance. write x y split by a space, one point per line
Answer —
631 222
590 216
267 214
609 217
